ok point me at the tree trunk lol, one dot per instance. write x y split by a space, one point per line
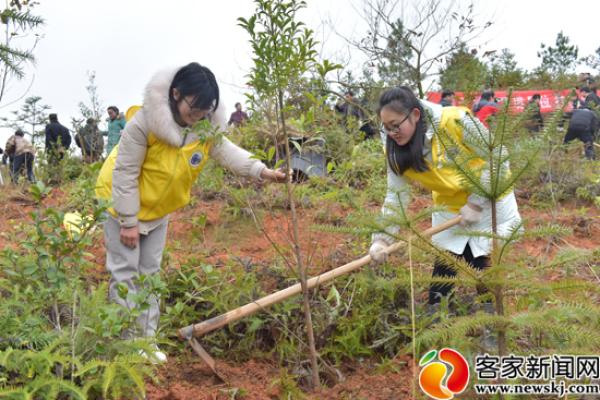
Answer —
298 253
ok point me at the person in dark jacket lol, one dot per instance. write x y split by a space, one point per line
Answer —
351 109
590 99
583 125
447 98
89 140
238 117
535 122
58 139
3 162
6 159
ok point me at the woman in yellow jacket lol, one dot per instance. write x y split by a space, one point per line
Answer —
150 173
415 154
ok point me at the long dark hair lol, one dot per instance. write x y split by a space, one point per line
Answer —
197 81
401 158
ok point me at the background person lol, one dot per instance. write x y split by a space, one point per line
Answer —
238 117
58 139
351 109
22 153
589 99
535 122
116 124
486 107
583 125
447 98
90 141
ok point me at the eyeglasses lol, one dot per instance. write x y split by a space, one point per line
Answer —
396 127
195 111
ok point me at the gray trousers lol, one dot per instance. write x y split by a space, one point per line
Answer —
127 265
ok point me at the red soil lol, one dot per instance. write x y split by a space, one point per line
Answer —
193 380
259 380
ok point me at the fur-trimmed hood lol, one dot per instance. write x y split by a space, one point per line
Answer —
158 116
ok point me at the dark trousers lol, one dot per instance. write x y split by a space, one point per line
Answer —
368 130
20 161
586 137
442 270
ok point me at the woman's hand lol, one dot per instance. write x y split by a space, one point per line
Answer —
273 175
377 251
130 236
471 214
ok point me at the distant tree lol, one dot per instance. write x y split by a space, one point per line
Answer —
393 66
541 78
17 22
348 81
365 86
408 40
31 115
593 60
463 71
559 59
93 108
504 72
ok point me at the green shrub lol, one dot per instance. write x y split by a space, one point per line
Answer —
60 337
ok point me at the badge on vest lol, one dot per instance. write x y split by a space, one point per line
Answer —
196 159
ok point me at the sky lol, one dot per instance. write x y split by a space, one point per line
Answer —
125 42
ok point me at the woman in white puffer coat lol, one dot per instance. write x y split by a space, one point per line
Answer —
150 174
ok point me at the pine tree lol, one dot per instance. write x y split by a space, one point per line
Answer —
504 72
531 313
560 59
18 21
593 60
394 64
463 71
31 114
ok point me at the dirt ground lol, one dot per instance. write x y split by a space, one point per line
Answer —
194 380
191 379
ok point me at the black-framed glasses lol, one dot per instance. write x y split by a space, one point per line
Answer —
396 127
194 110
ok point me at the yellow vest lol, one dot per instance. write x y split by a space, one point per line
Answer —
166 176
443 180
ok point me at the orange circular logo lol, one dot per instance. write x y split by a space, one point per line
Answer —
437 380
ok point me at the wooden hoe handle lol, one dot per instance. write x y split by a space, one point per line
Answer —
219 321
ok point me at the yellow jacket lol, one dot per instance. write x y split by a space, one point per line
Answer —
443 180
166 176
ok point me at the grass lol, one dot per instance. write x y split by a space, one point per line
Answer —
362 316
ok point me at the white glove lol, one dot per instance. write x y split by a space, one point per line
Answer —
471 214
377 251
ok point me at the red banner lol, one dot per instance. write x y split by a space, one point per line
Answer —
550 100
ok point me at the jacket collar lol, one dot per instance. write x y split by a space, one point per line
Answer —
435 113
